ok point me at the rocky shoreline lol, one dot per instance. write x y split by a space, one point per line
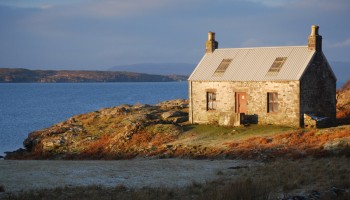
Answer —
110 133
162 131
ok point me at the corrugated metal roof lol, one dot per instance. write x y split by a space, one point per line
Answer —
252 64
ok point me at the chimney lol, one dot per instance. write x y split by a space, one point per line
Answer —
211 44
315 40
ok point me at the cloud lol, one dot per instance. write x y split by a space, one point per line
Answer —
323 5
100 8
35 4
45 6
273 3
252 42
345 43
320 5
63 18
109 8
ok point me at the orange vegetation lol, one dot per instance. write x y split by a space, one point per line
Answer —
343 104
299 143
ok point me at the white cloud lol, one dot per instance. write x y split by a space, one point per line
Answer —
345 43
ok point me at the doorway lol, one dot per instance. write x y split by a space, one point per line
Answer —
241 106
241 102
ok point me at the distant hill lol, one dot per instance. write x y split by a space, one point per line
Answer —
157 68
17 75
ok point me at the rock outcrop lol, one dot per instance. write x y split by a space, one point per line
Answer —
120 132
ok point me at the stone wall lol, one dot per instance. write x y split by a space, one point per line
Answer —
288 102
318 89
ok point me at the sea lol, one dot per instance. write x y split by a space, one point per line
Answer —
26 107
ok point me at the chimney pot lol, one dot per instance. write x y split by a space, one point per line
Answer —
211 44
211 36
314 30
315 40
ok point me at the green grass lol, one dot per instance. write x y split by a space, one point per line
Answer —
213 135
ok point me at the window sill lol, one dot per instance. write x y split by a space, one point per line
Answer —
273 113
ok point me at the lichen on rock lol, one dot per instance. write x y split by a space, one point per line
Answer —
117 132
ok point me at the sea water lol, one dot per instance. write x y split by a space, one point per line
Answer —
26 107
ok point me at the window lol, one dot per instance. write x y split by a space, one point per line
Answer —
222 67
272 102
211 101
276 66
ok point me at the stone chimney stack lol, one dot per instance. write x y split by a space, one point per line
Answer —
315 40
211 44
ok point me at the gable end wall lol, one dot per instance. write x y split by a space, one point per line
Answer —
318 89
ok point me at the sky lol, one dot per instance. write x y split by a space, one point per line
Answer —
100 34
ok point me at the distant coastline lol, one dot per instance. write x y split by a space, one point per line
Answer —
20 75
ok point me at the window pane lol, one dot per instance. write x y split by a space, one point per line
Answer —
272 102
211 101
275 107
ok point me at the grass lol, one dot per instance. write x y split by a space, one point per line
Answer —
273 180
211 135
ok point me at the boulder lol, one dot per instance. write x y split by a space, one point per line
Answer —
176 103
52 143
179 119
19 153
173 113
337 145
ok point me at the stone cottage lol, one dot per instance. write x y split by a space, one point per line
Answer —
264 85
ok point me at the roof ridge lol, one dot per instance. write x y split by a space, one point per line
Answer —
263 47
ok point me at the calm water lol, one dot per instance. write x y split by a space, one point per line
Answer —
26 107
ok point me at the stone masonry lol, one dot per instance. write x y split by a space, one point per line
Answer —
318 90
288 102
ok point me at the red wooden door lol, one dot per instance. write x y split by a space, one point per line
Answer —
241 102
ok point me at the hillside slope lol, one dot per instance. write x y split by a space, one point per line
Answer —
8 75
160 131
343 104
